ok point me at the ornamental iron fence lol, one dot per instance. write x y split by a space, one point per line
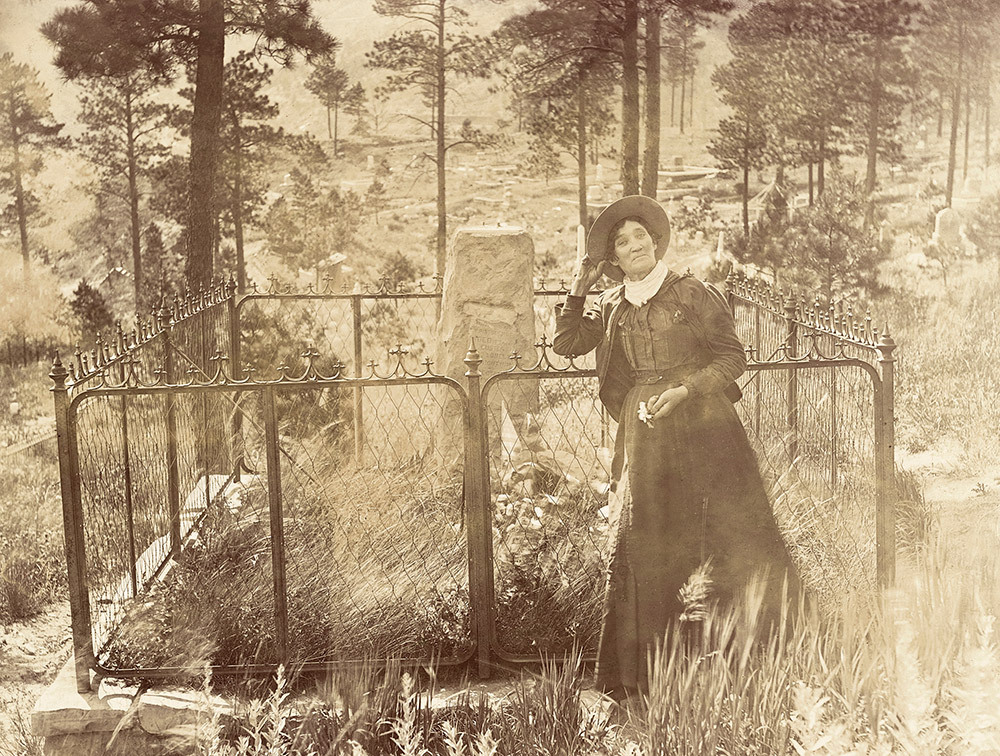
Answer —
328 508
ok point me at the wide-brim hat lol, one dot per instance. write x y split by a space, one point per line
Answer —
637 205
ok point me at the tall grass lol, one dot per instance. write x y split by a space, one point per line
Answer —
915 672
32 557
949 337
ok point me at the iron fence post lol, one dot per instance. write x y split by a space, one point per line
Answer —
76 556
204 441
480 527
359 418
277 524
792 390
885 473
127 465
236 369
833 430
173 475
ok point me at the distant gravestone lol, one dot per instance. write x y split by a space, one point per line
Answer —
599 174
947 226
595 193
488 295
371 162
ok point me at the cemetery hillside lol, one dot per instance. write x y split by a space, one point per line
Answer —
292 461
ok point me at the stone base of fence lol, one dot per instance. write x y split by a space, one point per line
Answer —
118 719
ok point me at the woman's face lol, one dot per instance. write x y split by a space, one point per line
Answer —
634 250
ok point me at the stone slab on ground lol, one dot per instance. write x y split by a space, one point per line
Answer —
118 717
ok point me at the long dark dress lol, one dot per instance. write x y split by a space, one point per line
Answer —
690 488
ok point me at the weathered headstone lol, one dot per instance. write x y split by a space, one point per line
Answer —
595 193
599 174
371 162
488 295
946 227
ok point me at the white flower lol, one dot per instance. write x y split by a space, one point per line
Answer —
645 415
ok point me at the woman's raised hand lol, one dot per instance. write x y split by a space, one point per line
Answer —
586 276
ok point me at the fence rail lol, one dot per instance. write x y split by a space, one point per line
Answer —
330 508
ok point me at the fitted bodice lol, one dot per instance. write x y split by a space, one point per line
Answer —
658 338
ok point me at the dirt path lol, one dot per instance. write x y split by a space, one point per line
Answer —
968 506
31 653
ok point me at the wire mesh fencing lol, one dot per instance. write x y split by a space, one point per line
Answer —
306 553
249 483
550 453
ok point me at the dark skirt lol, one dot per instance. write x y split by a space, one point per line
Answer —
691 491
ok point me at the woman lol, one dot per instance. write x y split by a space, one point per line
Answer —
691 492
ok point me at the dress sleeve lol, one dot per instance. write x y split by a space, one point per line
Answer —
577 331
728 357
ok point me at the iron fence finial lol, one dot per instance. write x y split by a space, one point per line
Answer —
472 359
58 373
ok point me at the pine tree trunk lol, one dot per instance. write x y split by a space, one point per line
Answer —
211 48
874 109
821 168
988 108
968 118
810 183
336 118
439 94
940 115
746 180
956 104
19 205
673 93
237 211
329 129
630 99
691 102
651 155
133 203
581 148
680 121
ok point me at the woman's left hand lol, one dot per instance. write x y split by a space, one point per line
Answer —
665 403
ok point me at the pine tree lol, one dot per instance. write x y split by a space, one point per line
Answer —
834 245
683 20
97 36
124 142
955 40
424 59
308 224
882 76
91 311
330 85
27 130
356 106
562 64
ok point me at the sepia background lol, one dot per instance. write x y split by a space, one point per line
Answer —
843 150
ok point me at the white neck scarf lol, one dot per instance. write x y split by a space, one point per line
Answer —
640 292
